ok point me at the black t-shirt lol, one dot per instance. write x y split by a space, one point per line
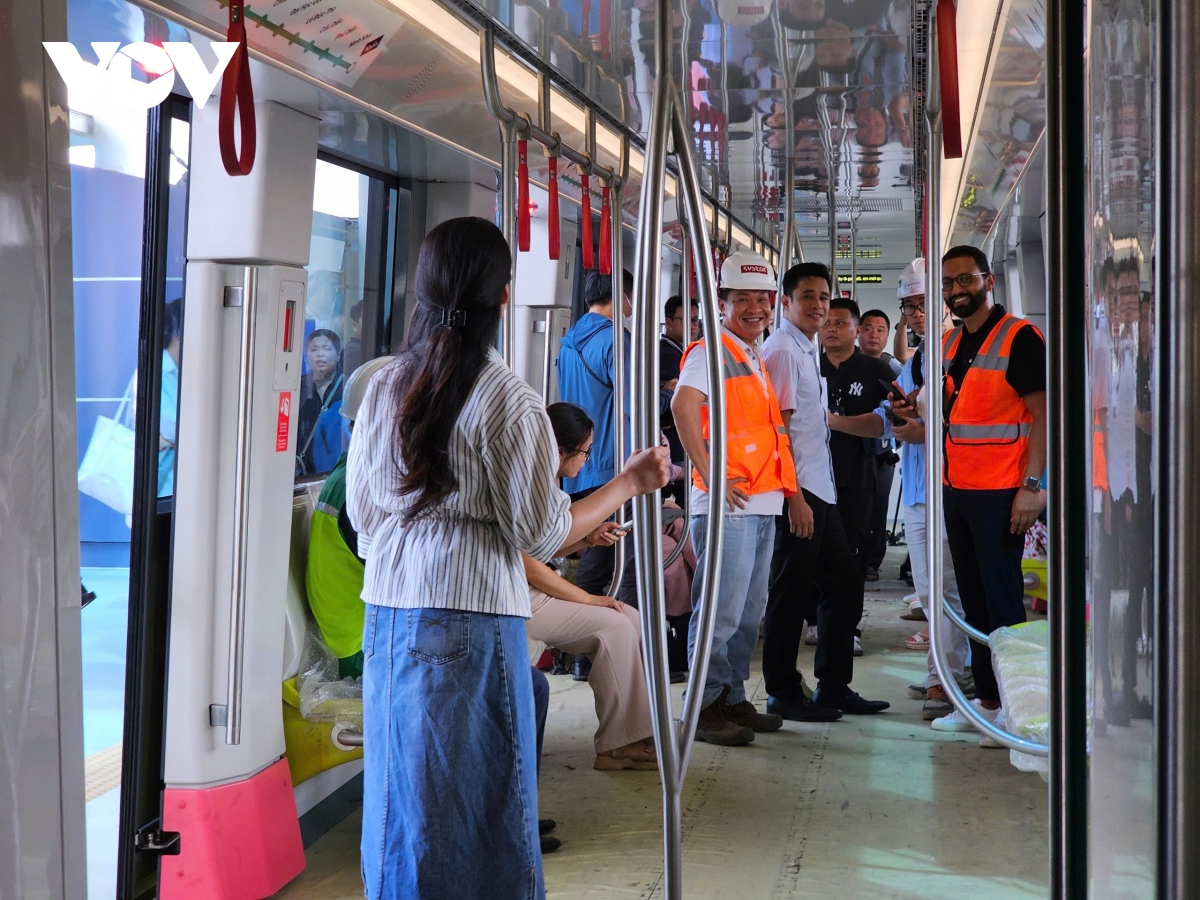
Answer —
854 389
670 358
1026 361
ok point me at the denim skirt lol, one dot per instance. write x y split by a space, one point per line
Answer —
450 759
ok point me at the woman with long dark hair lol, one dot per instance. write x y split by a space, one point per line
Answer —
451 476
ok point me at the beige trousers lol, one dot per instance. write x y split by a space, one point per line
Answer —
612 641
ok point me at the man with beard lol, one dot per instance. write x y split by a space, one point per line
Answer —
994 447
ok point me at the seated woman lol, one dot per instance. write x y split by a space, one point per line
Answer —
601 628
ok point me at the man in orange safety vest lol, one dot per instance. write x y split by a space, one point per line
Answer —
759 476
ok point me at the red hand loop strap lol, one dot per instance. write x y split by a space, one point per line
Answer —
947 38
552 212
523 196
605 21
585 223
237 93
605 232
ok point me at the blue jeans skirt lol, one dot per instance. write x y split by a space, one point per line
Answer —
449 755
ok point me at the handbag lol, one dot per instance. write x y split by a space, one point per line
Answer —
106 472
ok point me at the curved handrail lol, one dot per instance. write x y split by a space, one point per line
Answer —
687 513
933 457
964 625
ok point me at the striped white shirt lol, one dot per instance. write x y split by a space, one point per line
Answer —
466 554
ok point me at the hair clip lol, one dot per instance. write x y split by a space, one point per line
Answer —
454 318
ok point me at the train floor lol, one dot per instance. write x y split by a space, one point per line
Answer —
879 807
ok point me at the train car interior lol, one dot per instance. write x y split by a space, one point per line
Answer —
191 283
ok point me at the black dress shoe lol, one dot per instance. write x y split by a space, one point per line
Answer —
545 826
581 669
550 844
848 702
801 710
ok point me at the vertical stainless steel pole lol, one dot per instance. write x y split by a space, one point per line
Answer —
1068 434
620 382
672 737
508 219
241 509
547 358
647 514
1177 433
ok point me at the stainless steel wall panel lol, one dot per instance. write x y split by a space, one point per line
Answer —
41 720
1123 127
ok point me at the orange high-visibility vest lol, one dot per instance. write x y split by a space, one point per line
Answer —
756 440
987 431
1099 459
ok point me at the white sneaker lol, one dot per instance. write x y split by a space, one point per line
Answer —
986 740
957 722
810 635
858 651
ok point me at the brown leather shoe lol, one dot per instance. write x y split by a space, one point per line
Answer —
746 714
714 726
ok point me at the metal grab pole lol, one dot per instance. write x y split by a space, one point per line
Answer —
241 509
706 277
620 384
934 418
672 737
508 224
1068 432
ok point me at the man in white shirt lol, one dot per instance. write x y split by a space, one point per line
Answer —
812 552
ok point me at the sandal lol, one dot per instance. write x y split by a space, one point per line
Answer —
918 641
916 612
640 757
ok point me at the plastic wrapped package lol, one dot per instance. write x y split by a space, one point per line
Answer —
323 697
1021 660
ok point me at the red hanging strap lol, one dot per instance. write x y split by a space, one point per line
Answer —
605 22
947 38
605 231
585 223
523 196
237 94
552 211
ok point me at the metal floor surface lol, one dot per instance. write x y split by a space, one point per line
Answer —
879 807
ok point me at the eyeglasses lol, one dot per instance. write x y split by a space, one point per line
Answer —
911 309
963 280
695 320
587 454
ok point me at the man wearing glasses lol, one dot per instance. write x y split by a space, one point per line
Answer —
994 447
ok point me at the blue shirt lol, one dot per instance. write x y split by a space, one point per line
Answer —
912 456
585 378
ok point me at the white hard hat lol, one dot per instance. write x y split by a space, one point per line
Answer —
356 385
747 271
912 280
743 12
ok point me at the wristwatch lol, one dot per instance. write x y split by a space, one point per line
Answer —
1032 483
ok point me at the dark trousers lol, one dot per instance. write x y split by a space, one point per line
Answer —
854 505
987 566
877 547
541 707
816 570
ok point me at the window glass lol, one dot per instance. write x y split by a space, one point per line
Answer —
344 275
